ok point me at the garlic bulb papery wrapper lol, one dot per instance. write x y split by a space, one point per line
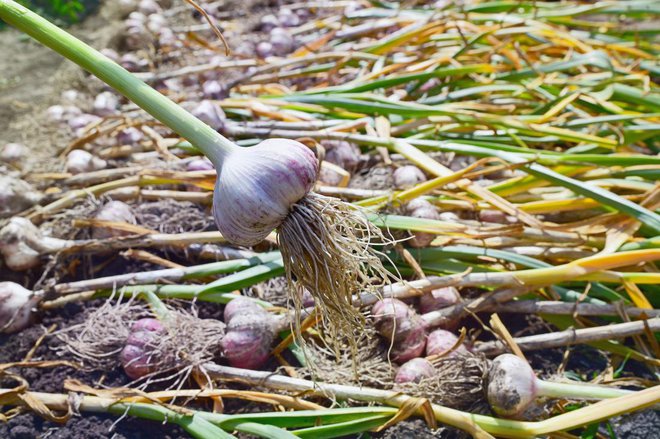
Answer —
257 187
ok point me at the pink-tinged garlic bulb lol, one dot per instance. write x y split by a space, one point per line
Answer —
250 334
13 153
137 357
511 385
62 113
401 325
420 208
16 195
79 123
115 211
440 342
22 244
414 371
495 216
341 153
16 307
408 176
211 114
106 104
242 305
79 161
438 299
257 187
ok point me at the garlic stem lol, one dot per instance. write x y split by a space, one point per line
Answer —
215 146
577 390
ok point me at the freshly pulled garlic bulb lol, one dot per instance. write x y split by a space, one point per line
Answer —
16 304
257 187
79 161
22 244
16 195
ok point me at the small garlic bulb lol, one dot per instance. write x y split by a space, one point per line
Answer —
13 152
79 161
408 176
258 185
16 195
511 385
22 244
16 304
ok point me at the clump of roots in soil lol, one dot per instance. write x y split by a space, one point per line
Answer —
186 344
457 382
327 246
370 367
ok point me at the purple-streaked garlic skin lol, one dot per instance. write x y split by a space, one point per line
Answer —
115 211
408 176
264 49
287 18
438 299
16 195
22 244
414 371
341 153
282 41
400 324
201 164
249 337
440 341
211 114
139 347
106 104
129 136
268 22
79 161
13 152
242 305
511 385
16 305
258 185
390 316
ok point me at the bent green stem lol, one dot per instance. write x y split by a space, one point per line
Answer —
215 146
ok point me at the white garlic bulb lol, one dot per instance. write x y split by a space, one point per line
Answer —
16 304
79 161
258 185
22 244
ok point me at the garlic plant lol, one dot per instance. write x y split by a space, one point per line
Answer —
325 243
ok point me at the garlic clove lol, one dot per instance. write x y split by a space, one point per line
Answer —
258 185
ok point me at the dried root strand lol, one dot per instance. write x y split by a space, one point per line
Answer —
327 249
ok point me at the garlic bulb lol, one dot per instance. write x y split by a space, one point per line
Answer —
13 152
211 114
16 304
115 211
511 385
281 41
438 299
106 104
62 113
258 185
408 176
22 244
16 195
79 161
